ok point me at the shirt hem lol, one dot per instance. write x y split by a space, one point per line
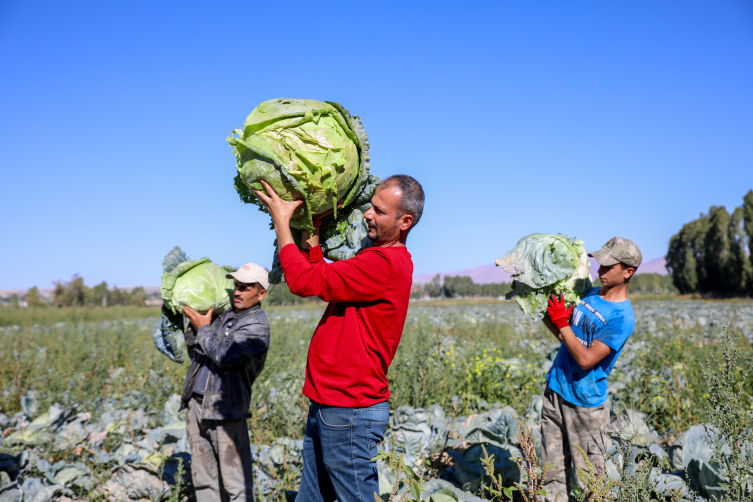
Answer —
558 391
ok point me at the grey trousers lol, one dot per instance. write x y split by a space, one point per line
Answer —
564 425
220 458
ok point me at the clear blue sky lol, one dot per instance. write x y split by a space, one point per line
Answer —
592 119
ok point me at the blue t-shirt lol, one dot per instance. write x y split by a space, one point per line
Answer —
611 323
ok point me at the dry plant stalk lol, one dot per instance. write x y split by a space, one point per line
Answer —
401 470
598 485
529 466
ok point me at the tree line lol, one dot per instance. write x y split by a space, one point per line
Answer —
713 253
456 286
464 287
75 293
280 295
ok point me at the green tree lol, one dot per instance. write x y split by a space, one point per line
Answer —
58 294
748 225
117 296
458 286
76 292
100 293
280 294
33 300
717 253
137 297
737 261
433 288
493 289
685 256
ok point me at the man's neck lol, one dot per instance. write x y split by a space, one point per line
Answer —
397 242
237 311
615 293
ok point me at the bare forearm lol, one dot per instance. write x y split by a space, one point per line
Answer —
585 357
573 344
550 325
310 239
284 235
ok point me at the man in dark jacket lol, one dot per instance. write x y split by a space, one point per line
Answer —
227 355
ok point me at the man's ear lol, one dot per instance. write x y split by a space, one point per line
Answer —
628 273
406 221
262 294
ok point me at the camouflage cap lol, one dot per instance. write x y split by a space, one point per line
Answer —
618 250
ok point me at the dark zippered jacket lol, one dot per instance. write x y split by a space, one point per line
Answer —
235 350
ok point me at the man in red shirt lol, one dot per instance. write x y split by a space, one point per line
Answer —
355 341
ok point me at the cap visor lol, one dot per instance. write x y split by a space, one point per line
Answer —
603 258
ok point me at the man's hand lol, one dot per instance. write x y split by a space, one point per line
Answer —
198 320
281 212
586 357
558 312
311 239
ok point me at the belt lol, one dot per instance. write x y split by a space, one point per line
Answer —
199 399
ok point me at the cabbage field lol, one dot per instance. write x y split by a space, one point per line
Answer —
89 408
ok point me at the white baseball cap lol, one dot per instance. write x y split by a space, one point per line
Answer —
251 273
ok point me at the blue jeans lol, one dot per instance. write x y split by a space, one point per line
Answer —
338 446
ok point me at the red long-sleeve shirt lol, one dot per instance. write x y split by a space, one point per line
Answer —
357 337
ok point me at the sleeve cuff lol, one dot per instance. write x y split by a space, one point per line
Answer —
314 254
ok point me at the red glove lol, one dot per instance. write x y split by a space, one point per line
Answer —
558 312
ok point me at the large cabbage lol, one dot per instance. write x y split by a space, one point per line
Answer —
310 150
543 265
199 284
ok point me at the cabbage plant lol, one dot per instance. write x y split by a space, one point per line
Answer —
199 284
310 150
543 265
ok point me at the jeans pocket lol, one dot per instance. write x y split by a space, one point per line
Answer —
374 436
336 418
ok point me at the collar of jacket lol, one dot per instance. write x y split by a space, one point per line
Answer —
248 311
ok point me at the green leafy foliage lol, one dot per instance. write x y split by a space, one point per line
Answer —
199 284
305 149
544 265
314 151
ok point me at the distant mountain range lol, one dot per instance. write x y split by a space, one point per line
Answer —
492 273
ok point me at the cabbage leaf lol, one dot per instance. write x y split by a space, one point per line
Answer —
543 265
310 150
199 284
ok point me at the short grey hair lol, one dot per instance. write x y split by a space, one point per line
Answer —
412 198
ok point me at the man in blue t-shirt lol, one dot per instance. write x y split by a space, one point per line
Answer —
576 404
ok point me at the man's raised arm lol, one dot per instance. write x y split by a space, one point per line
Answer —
360 279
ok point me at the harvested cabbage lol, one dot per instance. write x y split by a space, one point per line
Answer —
543 265
310 150
199 284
